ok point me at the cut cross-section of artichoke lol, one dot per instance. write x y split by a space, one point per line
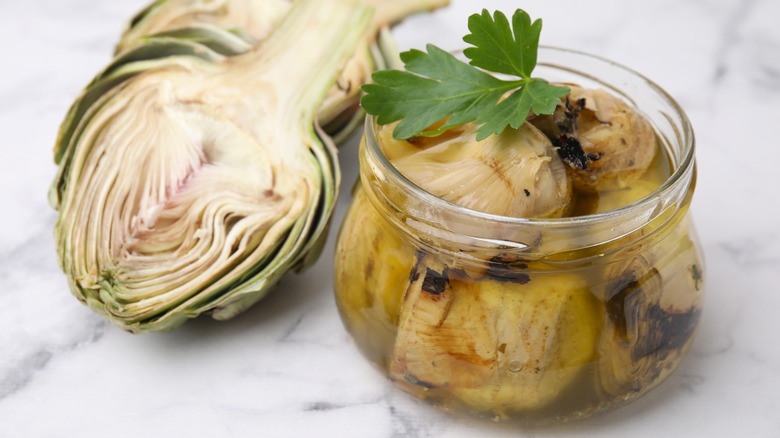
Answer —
253 20
190 182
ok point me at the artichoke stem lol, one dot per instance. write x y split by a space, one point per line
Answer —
393 11
302 58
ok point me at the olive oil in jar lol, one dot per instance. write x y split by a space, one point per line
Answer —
585 203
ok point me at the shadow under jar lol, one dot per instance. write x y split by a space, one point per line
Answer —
534 319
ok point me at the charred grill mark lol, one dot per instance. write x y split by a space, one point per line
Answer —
435 283
595 156
509 276
630 297
415 381
624 286
697 276
568 146
666 331
414 275
570 150
573 113
637 320
507 259
499 171
538 241
507 269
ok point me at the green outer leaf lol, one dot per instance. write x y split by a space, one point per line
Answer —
223 41
145 12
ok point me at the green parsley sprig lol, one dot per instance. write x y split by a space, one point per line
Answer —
437 86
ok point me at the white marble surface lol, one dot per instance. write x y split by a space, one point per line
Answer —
287 367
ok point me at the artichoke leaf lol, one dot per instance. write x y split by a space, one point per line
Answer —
228 43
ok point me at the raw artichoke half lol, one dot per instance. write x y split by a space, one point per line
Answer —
253 20
189 181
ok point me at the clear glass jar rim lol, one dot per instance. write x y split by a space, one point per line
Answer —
685 165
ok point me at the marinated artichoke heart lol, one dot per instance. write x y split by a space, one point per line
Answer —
516 174
253 20
498 346
617 142
653 304
190 182
377 262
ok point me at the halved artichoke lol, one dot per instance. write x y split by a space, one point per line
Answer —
189 181
253 20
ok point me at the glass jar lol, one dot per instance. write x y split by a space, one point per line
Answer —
534 319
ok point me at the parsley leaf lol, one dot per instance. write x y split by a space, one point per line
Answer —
437 86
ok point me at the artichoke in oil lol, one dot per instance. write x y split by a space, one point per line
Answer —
497 346
251 21
193 174
516 174
653 303
374 260
606 143
525 321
